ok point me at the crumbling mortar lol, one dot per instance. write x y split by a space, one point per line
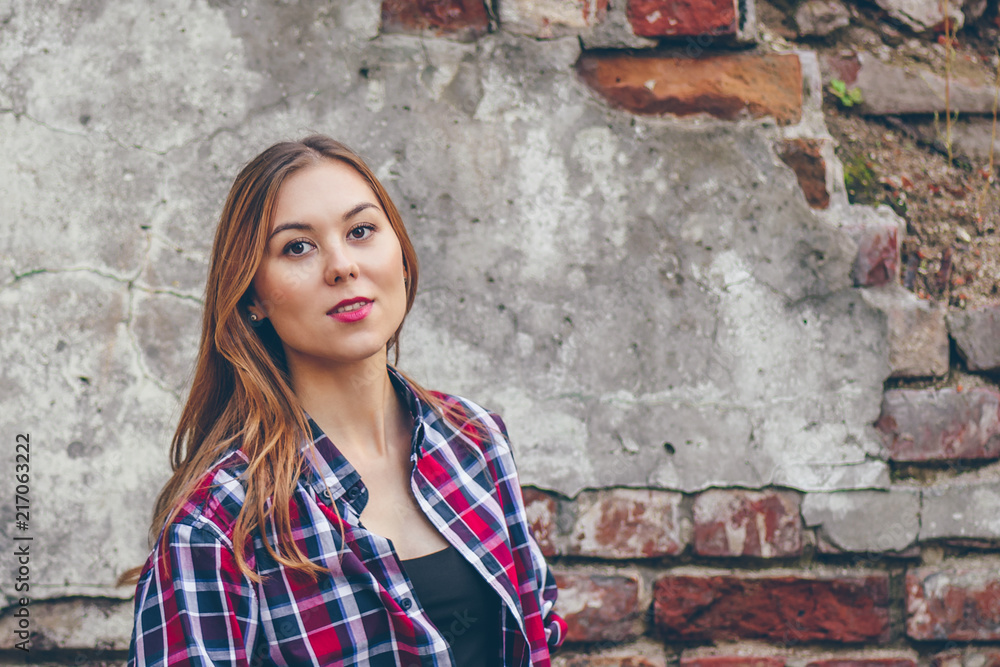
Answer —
664 398
920 515
897 602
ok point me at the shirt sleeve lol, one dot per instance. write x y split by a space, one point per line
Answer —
517 522
193 606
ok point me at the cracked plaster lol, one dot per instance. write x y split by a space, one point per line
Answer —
97 424
610 284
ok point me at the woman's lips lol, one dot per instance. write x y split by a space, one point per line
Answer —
351 310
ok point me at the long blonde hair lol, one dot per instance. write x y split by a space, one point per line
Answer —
241 391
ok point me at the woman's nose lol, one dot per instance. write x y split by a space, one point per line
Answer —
340 265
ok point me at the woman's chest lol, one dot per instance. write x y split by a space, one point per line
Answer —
393 512
364 610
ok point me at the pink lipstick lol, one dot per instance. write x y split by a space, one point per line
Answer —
351 310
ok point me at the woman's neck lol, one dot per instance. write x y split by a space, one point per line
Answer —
356 406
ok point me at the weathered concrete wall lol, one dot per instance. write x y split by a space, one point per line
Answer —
649 301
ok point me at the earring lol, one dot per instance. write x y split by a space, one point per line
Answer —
255 321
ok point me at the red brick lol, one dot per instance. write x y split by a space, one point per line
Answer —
460 18
970 657
732 661
682 18
599 607
958 602
785 609
878 259
726 86
734 522
824 547
628 523
941 424
618 659
844 66
805 158
864 662
541 509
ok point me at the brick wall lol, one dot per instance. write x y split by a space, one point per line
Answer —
771 577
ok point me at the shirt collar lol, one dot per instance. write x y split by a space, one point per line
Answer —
328 469
417 408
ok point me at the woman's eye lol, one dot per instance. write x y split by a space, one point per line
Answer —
361 232
296 248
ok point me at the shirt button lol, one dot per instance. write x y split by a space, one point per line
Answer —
406 603
354 492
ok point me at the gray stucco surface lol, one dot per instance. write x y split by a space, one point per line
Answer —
961 511
610 284
873 521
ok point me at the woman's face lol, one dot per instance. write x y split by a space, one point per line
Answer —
332 278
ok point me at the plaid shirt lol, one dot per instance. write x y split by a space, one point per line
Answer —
194 607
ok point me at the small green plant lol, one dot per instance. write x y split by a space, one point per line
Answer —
860 180
846 97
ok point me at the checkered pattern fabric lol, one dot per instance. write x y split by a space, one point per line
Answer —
193 607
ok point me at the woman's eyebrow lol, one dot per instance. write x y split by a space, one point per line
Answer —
290 225
360 207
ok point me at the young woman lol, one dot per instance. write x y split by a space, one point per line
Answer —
324 508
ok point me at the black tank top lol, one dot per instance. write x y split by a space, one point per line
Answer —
463 607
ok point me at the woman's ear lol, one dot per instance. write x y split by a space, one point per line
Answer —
256 308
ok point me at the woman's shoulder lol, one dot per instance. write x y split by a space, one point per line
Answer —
458 412
216 498
208 513
462 425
